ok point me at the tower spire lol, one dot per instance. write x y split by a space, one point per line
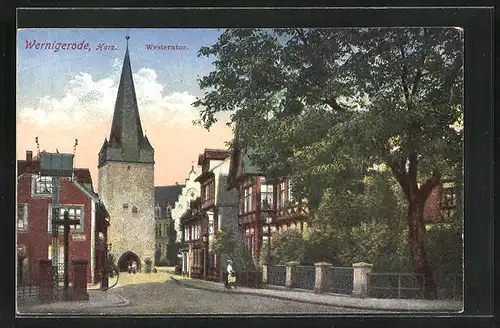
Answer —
126 129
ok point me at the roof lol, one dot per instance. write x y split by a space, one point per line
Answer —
126 129
167 194
83 175
213 154
24 166
241 165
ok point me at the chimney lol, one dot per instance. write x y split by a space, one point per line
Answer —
29 156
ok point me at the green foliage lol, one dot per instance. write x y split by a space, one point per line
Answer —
224 243
112 264
285 246
324 106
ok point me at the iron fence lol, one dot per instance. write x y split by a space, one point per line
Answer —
395 285
341 280
306 276
450 288
276 275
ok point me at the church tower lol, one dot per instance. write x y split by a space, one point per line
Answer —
126 178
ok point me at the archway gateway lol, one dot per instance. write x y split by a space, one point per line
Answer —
126 259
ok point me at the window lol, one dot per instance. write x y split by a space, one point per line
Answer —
282 195
75 213
266 197
134 210
163 248
125 206
164 229
158 230
44 185
22 217
448 199
210 223
247 200
157 212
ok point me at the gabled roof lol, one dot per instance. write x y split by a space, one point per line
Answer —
167 194
241 165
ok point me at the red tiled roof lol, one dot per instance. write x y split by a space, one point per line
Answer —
83 175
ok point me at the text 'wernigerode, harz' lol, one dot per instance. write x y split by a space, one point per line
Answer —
56 46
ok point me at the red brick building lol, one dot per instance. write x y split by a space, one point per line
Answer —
34 215
441 203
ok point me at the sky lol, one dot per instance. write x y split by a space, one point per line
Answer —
70 94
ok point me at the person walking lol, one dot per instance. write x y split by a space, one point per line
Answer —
231 279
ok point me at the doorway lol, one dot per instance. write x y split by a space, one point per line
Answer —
126 259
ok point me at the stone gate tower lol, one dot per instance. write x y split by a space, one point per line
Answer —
126 178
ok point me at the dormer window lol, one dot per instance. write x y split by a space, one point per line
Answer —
125 206
44 185
134 210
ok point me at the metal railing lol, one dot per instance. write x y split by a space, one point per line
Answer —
306 276
341 280
450 288
276 275
395 285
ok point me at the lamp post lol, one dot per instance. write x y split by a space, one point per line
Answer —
267 225
205 254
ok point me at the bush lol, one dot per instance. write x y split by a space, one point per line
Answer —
148 265
178 269
285 246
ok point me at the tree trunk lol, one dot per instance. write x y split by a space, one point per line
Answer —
416 234
405 171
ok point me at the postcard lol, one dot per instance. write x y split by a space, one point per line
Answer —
239 170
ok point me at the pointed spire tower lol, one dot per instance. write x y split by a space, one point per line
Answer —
127 141
126 178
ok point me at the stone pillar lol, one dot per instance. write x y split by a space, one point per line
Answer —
80 280
322 280
46 288
360 284
264 274
291 274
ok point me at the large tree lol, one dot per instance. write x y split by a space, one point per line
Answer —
323 105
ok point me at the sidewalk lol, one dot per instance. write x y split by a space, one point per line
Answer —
345 301
97 299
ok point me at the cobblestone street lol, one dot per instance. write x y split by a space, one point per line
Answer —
173 298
